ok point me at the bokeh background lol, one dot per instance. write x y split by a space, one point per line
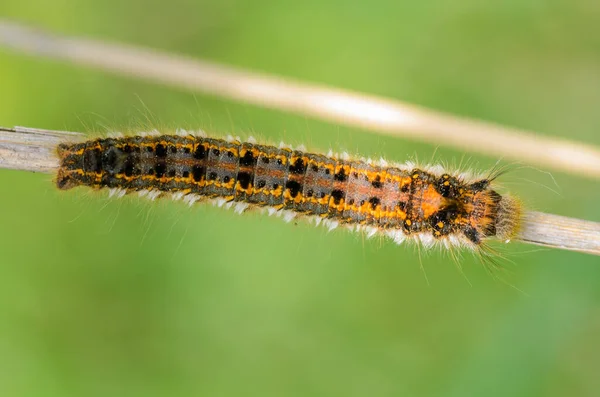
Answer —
124 297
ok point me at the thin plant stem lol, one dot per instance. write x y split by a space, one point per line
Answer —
31 149
381 115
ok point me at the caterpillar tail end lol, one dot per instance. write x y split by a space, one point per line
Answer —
509 219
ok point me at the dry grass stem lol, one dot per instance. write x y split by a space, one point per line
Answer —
339 106
30 149
561 232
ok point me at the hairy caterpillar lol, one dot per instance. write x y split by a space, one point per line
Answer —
400 201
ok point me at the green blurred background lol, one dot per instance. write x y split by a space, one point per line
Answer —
124 297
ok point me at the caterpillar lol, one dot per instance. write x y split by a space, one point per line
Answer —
402 202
